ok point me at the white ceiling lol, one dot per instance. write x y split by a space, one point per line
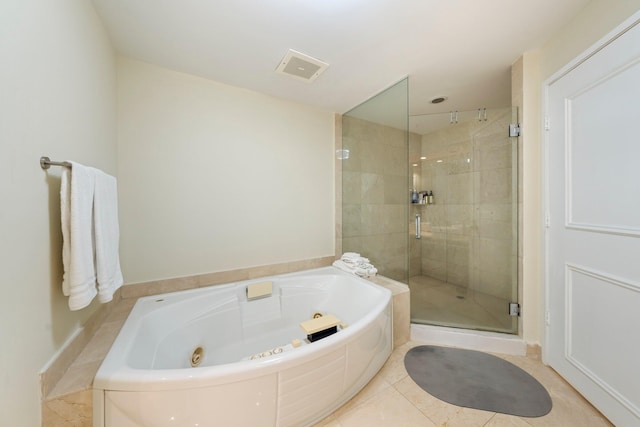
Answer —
462 49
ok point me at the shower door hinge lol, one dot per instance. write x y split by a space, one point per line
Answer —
514 309
514 129
547 123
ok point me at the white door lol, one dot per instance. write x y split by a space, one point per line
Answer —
593 227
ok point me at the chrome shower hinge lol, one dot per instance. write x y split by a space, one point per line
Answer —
514 309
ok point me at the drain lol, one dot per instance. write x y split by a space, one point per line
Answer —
459 297
197 356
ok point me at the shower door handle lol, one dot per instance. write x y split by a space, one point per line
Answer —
418 226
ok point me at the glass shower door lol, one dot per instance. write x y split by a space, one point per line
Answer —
463 269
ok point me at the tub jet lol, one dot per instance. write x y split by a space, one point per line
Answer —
196 356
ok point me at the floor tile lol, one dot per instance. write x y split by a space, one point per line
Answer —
388 408
438 411
392 398
502 420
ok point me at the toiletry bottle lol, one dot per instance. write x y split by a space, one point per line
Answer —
430 197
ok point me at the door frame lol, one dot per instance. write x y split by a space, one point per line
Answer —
584 56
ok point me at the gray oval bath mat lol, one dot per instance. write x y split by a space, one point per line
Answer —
477 380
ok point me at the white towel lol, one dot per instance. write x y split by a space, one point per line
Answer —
344 266
107 235
352 262
363 270
350 255
89 213
76 206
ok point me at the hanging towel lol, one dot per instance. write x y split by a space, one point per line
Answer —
90 232
76 206
107 235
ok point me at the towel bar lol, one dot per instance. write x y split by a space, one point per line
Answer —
46 163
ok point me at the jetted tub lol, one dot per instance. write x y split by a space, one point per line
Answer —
247 371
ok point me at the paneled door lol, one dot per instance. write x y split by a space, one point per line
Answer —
592 253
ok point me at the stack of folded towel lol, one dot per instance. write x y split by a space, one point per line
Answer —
352 262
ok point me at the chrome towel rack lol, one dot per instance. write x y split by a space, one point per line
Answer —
46 163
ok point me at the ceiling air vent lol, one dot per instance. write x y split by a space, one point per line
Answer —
301 66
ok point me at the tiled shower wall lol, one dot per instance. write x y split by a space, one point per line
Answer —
376 195
468 233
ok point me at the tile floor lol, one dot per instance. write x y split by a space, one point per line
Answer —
439 303
392 399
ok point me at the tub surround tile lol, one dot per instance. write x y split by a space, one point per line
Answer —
68 401
290 267
159 287
100 343
52 374
122 310
401 308
78 377
202 280
74 410
223 277
401 318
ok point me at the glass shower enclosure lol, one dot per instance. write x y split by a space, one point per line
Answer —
374 181
432 201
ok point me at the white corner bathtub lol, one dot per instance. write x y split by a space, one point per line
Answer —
147 378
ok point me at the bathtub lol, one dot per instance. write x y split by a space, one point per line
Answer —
248 371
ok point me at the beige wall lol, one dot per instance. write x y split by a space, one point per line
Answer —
532 298
213 177
57 86
597 19
591 24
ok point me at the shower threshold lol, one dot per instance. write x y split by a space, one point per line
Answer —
492 342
